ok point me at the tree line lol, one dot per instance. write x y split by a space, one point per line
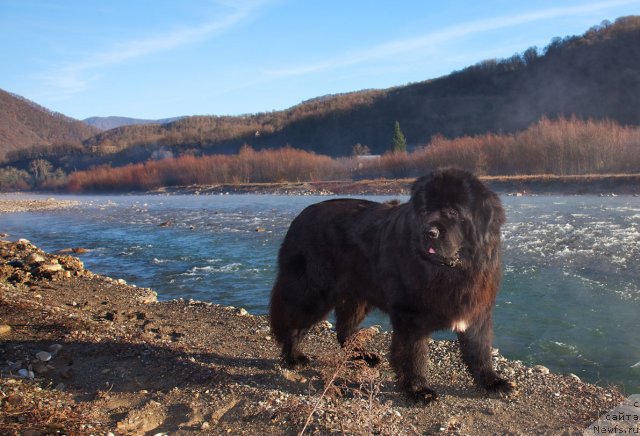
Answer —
565 146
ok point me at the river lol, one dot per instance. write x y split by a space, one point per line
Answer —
570 297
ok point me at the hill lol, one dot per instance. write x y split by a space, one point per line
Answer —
107 123
596 75
24 124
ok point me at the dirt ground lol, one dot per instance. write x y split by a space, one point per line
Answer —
87 354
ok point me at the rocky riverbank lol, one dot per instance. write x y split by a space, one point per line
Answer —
10 205
82 353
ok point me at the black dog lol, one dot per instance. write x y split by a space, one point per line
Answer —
432 263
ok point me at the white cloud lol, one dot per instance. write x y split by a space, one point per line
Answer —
75 76
430 40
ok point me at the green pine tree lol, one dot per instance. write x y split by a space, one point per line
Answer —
399 142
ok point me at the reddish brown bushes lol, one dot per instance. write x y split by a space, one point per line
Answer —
285 164
561 147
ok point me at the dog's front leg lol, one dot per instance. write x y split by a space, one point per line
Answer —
475 344
409 353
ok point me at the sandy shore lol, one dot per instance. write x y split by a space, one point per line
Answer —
86 354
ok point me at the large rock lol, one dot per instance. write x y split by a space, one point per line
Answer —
21 262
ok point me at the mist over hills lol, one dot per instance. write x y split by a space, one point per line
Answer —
595 75
111 122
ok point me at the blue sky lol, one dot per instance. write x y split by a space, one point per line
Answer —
161 58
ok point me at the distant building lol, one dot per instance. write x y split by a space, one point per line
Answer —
366 158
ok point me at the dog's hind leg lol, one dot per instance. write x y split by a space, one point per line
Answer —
349 315
292 312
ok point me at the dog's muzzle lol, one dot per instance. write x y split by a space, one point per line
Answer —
439 260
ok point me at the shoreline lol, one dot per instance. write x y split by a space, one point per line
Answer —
99 355
591 184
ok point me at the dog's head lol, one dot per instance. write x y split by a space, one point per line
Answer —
457 216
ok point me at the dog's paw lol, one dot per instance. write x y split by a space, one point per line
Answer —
500 385
424 395
297 361
371 359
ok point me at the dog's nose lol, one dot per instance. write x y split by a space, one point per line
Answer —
433 233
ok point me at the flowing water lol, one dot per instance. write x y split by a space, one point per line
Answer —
570 297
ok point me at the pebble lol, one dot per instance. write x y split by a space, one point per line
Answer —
40 368
541 369
509 371
575 377
54 349
243 312
26 373
43 356
35 258
121 281
5 329
54 267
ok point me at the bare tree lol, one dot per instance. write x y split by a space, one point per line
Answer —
40 169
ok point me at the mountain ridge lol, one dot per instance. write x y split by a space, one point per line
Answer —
595 75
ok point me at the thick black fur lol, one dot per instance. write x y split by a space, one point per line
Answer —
432 263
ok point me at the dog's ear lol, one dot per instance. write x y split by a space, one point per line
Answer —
490 214
418 192
497 215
